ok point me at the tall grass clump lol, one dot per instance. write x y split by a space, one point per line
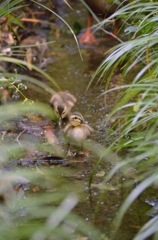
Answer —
136 111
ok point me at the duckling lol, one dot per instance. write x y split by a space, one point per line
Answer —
62 102
6 36
103 9
34 46
76 132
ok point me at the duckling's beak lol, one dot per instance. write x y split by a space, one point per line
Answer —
60 121
83 121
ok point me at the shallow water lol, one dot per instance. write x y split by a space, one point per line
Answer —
73 74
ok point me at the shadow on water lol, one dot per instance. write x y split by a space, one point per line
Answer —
73 74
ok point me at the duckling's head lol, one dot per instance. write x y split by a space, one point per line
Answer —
76 119
61 111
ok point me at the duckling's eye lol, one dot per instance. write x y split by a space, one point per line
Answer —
63 113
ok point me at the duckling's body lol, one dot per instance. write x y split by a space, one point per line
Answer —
101 8
62 102
76 131
35 46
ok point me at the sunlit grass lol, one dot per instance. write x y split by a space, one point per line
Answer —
136 111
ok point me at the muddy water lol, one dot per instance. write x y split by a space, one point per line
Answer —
73 74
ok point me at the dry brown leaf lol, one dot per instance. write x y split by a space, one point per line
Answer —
35 189
45 163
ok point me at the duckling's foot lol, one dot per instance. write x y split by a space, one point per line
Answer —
81 152
70 154
88 38
86 153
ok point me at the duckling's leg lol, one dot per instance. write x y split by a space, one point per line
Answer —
81 152
84 152
88 36
69 153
